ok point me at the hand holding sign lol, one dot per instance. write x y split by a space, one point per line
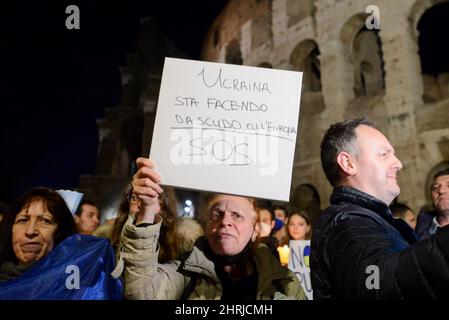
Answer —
146 187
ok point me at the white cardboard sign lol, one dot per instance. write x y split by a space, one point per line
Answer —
298 262
226 128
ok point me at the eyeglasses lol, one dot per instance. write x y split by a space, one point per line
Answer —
132 198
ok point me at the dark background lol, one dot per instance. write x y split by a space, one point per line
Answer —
55 82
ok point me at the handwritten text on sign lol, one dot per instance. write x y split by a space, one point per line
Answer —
227 128
299 264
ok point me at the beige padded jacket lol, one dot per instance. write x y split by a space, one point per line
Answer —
146 279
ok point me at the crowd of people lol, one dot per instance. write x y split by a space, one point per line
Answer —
231 253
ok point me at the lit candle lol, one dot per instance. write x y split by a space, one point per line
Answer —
284 253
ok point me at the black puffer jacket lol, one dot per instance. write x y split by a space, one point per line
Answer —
357 231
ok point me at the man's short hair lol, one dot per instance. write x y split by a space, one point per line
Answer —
82 203
269 209
339 137
279 207
444 172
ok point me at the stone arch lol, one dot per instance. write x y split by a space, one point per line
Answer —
350 30
364 49
368 63
233 52
417 11
429 180
432 50
305 57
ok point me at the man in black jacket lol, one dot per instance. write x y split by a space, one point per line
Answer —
359 250
428 223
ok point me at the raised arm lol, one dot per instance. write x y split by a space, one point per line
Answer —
144 277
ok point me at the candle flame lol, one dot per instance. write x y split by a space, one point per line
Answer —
284 253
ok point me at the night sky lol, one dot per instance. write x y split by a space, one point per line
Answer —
55 82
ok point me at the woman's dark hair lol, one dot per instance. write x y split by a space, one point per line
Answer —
122 216
53 202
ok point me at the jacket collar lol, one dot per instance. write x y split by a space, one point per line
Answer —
357 197
352 195
198 262
267 266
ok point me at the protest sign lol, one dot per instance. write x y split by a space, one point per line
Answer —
299 263
226 128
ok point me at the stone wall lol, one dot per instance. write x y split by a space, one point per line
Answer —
410 108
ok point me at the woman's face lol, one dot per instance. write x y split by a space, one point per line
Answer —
297 227
33 233
134 203
232 224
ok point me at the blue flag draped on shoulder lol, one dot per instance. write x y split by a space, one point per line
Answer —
79 268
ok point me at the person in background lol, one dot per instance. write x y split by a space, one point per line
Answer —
298 226
129 205
429 223
267 221
402 211
280 229
87 217
178 234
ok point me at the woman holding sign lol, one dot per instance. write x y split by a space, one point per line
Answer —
225 264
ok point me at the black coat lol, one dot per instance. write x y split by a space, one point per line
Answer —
357 231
